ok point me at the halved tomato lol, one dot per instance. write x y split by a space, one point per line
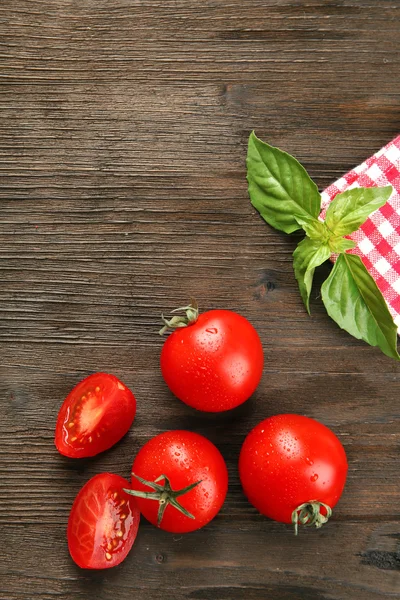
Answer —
95 415
103 523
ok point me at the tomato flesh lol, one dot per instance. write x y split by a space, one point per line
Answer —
184 457
103 523
95 415
288 460
214 364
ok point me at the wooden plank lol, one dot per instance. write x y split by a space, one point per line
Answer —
232 561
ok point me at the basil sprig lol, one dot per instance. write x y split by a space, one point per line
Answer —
287 198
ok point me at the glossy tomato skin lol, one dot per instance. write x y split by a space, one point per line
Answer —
103 523
214 364
95 415
288 460
184 457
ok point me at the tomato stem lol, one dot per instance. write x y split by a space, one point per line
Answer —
191 316
164 494
309 514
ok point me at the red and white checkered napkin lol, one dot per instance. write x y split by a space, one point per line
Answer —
378 239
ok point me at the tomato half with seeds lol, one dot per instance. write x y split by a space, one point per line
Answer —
179 480
95 415
293 469
212 361
103 523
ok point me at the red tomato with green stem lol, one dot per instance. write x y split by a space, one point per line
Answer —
95 415
293 469
103 523
213 361
179 480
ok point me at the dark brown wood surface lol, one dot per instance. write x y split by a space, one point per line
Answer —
123 130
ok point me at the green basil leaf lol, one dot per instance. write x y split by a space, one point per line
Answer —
348 211
341 244
279 187
321 255
308 255
354 301
316 230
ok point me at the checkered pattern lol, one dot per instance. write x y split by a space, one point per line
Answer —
378 239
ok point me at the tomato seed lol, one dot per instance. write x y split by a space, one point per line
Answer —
97 390
71 424
123 516
108 556
120 533
73 439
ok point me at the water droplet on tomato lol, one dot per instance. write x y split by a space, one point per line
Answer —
314 477
212 330
309 462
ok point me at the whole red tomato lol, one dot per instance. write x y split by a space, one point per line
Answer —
293 469
212 361
95 415
103 523
180 480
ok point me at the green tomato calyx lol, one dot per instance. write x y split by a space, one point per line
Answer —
163 494
309 514
177 321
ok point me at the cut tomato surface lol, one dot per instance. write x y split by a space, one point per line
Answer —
95 415
103 523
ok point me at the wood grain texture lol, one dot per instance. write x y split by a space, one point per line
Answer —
123 131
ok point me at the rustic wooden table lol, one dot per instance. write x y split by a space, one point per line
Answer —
123 133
